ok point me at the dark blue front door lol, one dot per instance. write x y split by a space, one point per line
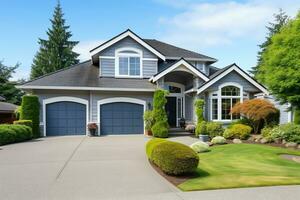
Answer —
65 118
121 118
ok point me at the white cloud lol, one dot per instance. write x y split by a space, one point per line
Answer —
83 48
215 24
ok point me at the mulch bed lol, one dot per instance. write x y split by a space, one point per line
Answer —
175 180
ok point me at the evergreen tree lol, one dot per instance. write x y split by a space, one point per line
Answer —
280 69
280 19
8 88
57 51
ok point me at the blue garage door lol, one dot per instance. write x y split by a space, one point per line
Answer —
121 118
65 118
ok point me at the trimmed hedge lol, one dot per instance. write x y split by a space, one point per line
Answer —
30 110
238 131
24 122
11 133
160 130
209 128
172 157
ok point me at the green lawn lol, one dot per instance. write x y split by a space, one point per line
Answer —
243 165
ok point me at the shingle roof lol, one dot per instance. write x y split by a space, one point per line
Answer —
217 72
7 107
172 51
86 74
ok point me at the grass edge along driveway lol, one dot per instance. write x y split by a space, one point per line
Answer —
243 165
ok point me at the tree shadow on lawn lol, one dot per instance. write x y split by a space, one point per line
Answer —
177 180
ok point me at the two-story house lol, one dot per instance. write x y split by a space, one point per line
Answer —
116 86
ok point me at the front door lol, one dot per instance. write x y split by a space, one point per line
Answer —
171 111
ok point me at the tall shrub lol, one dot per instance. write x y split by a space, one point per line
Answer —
199 104
160 126
30 110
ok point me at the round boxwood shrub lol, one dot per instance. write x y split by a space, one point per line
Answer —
30 110
200 146
151 145
218 140
174 158
238 131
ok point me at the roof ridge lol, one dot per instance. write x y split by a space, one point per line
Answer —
51 73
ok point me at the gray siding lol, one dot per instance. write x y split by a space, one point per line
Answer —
127 42
189 108
236 78
107 67
96 96
283 108
149 68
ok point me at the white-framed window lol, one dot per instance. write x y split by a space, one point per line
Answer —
128 62
224 99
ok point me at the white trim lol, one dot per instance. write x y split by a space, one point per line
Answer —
85 88
107 57
118 54
219 98
177 64
233 68
133 36
193 59
190 90
150 59
64 98
115 100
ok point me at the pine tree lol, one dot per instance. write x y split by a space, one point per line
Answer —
57 51
280 19
8 88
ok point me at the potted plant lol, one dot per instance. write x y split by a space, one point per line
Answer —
182 122
92 128
149 121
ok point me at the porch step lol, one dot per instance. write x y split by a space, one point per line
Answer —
178 132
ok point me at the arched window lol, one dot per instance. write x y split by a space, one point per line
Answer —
224 99
230 95
128 62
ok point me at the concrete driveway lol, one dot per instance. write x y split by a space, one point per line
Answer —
112 167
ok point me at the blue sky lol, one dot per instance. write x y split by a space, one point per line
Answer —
227 30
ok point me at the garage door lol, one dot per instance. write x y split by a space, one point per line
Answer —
121 118
65 118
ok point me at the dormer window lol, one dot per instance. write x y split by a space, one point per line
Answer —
128 62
